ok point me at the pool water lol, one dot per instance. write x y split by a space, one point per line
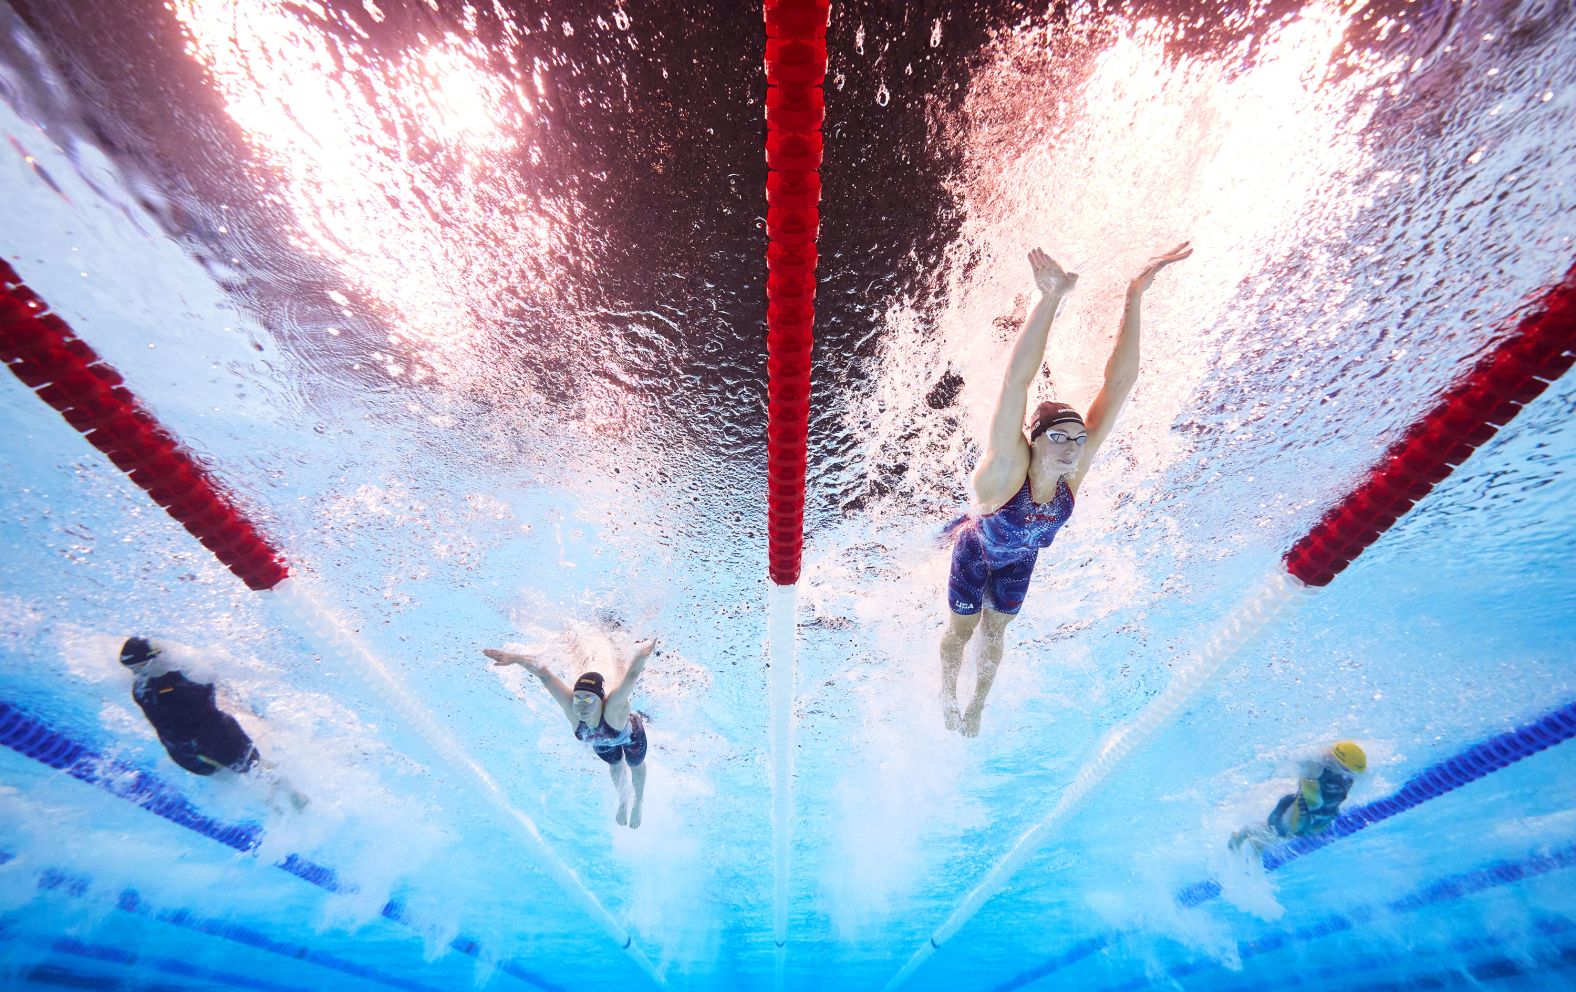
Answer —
465 305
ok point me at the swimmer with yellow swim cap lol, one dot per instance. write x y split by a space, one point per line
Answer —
1317 802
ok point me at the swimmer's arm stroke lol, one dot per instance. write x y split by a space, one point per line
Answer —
562 694
616 707
1121 369
1006 460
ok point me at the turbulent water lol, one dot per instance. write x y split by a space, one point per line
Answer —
465 303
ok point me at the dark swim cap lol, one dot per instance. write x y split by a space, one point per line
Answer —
137 650
590 682
1049 414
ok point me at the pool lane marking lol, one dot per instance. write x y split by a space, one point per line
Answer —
1445 890
78 886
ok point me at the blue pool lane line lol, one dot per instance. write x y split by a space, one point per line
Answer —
1431 783
1445 890
170 966
26 735
130 901
1470 976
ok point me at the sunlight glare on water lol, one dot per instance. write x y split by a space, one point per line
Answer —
1245 152
402 170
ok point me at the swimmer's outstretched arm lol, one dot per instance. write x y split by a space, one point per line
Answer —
1121 369
562 694
1001 471
617 703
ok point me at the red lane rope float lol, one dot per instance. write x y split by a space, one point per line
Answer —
795 109
66 373
1468 414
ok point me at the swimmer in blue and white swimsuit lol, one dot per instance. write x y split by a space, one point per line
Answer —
602 718
1024 486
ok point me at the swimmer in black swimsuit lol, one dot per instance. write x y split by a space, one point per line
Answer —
602 719
1024 486
199 736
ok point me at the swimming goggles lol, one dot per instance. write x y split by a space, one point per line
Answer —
1060 438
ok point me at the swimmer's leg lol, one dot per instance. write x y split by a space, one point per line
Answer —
616 770
960 627
988 660
965 596
638 773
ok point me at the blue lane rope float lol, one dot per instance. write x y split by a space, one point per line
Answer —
28 736
1477 761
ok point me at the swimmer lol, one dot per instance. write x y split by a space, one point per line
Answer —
1025 484
1321 789
601 718
199 736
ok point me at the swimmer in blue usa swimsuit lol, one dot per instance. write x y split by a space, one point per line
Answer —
602 719
1025 485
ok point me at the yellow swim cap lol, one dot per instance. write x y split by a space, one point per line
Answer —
1350 755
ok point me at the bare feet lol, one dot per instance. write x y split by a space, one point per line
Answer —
971 721
623 814
949 710
1257 839
634 817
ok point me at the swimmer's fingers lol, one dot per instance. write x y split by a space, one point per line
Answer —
503 657
1049 276
1147 276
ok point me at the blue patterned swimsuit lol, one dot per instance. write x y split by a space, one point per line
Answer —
995 554
613 746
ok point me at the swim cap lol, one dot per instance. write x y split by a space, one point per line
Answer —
590 682
1350 756
137 650
1049 414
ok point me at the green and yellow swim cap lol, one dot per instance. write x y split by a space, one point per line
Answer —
1350 756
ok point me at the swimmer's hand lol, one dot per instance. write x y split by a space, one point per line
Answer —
644 648
501 658
1146 278
1051 278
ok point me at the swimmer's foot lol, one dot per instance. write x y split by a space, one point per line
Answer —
949 711
634 818
1255 839
971 721
623 814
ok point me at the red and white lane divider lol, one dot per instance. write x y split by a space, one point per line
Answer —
1540 349
66 373
795 110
